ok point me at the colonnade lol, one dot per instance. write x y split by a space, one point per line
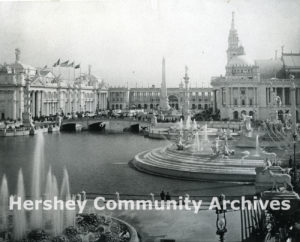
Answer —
45 103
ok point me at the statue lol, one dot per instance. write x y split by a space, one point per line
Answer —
271 157
247 122
154 120
276 179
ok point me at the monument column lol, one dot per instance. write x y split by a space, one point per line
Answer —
164 102
186 106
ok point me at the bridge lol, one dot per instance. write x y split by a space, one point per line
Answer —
101 123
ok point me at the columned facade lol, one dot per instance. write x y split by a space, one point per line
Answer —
47 94
248 85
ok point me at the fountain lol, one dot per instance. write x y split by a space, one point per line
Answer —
257 148
3 203
188 123
180 124
53 224
195 126
197 145
194 157
19 217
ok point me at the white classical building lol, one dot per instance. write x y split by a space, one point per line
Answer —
248 84
48 94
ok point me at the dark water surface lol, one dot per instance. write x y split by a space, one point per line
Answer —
98 163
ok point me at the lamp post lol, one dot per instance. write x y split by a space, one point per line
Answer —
295 166
221 219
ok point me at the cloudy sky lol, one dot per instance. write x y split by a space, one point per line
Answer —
125 40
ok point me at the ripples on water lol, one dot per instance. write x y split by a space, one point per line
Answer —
98 163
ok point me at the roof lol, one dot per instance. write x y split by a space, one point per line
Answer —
270 68
291 61
240 60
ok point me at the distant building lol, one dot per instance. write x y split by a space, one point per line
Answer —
48 94
248 85
163 98
149 98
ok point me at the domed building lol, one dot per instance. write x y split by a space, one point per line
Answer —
248 85
24 89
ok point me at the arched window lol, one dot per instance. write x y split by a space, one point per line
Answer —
235 115
151 106
139 106
251 113
244 112
199 106
117 106
113 106
145 106
121 107
193 106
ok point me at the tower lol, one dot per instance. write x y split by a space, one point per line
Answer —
186 105
233 42
164 102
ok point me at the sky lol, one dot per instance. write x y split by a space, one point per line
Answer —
125 40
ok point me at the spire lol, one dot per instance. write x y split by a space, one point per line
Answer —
234 48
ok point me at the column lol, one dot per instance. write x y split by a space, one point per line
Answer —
227 97
38 104
33 104
14 108
283 96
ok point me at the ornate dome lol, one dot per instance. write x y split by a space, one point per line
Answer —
240 60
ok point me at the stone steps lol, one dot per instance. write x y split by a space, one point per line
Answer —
168 162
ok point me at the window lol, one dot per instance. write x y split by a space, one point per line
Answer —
243 102
250 101
243 91
235 102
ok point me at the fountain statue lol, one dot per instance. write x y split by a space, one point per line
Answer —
194 156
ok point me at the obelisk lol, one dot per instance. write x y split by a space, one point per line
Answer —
164 101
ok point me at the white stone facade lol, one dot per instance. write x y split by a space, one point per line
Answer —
247 85
48 94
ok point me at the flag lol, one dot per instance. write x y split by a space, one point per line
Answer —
64 64
56 63
71 64
77 66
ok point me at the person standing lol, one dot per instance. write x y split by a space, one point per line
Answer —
162 195
168 197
